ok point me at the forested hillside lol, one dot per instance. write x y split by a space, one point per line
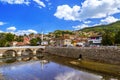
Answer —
113 27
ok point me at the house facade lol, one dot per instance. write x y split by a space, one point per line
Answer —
67 42
95 40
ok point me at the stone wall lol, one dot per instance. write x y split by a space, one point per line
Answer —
109 55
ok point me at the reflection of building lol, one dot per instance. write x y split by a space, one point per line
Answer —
42 63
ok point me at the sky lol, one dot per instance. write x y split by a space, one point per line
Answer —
37 16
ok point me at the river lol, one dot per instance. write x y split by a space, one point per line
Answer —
41 69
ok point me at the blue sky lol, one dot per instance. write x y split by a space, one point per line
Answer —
36 16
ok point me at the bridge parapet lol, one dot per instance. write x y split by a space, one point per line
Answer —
21 50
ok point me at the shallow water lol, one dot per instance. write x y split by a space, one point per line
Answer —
45 70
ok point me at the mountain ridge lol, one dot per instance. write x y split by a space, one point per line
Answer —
101 28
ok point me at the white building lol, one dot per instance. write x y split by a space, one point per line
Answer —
95 40
45 43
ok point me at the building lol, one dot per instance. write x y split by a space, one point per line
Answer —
44 43
26 40
67 42
95 40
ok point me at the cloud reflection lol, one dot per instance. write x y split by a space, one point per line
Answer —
77 76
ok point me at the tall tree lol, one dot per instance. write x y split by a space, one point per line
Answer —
117 37
33 42
9 37
3 42
108 38
5 39
39 40
19 39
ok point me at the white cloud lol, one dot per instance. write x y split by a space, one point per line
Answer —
32 31
87 22
40 3
109 19
97 24
1 31
16 1
11 29
67 13
22 32
99 8
26 2
89 9
80 26
2 23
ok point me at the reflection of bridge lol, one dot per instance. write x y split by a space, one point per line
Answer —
19 51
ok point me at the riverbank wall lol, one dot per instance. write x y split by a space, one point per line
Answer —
110 55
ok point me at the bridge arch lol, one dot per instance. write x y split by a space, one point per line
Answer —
39 53
27 54
9 56
9 53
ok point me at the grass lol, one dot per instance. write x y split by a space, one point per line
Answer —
99 67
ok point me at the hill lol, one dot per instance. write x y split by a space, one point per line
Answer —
113 27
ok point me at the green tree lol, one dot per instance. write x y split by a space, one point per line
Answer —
58 33
83 34
108 38
31 35
39 40
9 37
19 39
117 37
2 35
33 42
3 42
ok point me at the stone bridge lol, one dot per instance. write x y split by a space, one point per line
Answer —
20 51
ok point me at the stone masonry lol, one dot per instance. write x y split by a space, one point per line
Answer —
110 55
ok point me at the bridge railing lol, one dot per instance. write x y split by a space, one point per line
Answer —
13 47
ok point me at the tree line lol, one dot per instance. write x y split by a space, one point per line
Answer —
111 38
108 38
7 38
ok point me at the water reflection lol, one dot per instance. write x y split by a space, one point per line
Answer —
9 60
77 76
44 70
21 58
35 71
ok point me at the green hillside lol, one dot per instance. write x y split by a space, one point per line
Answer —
110 27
